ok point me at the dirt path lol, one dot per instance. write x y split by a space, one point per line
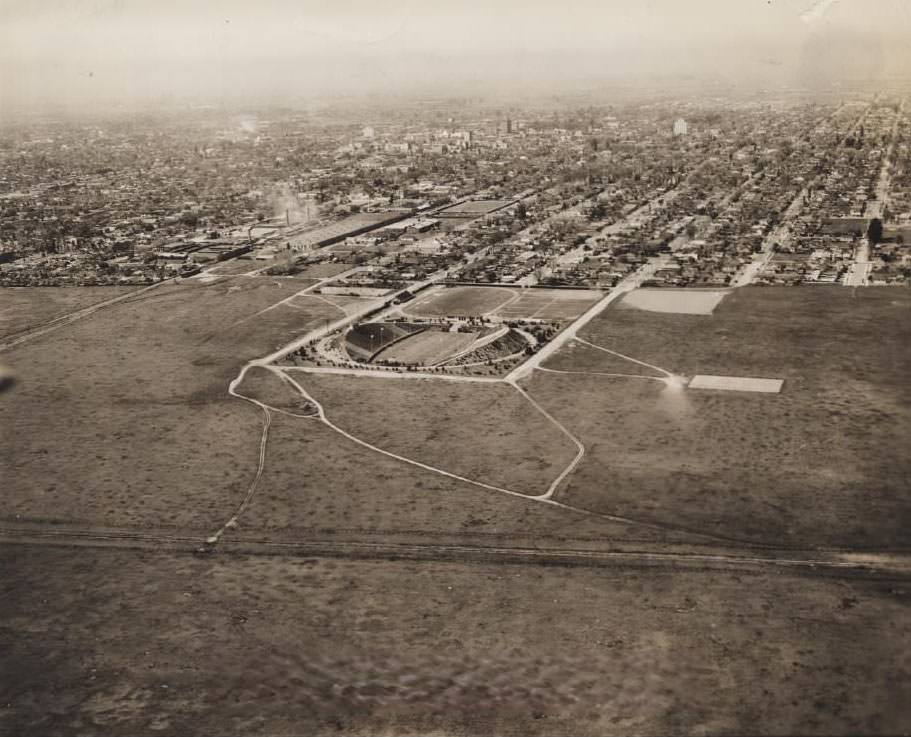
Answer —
660 370
602 373
71 317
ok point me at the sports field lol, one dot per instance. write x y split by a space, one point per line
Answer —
504 302
427 348
459 301
550 304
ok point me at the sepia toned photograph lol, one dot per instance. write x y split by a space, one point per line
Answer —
451 368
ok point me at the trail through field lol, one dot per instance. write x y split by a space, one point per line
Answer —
580 449
267 421
602 373
545 498
63 320
667 373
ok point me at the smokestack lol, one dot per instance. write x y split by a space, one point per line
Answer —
287 217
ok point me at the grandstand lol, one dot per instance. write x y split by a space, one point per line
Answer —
364 341
509 344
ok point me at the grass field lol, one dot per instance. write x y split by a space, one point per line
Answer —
267 387
504 302
361 647
123 418
459 301
575 356
22 308
550 304
823 463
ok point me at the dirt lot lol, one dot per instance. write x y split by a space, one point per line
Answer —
679 301
823 463
22 308
236 266
277 646
124 418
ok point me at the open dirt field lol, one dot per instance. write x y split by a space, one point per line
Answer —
267 387
578 357
449 425
235 266
318 485
427 348
459 301
374 647
823 463
22 308
346 304
679 301
123 418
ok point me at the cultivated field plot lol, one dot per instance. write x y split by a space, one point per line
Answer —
427 348
123 418
459 301
736 384
679 301
823 463
23 308
485 432
381 647
550 304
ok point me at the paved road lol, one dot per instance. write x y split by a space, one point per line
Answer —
859 273
632 281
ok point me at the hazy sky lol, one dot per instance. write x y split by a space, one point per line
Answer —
77 52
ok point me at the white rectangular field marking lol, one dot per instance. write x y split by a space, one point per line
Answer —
737 384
